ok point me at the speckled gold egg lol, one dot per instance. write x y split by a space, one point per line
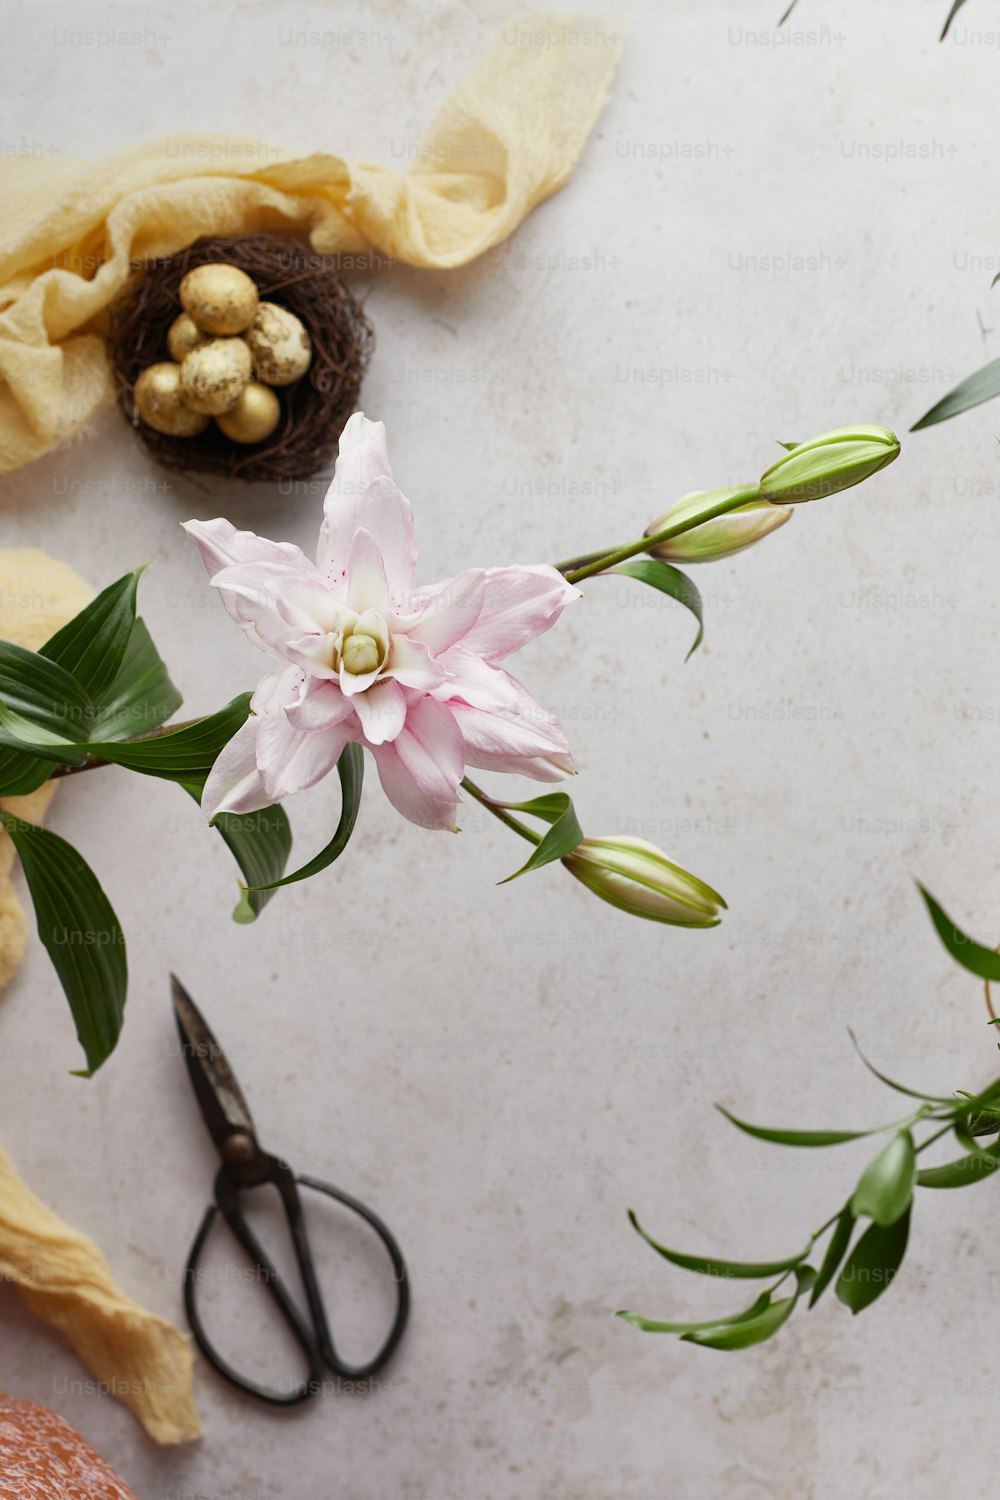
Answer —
280 346
161 405
185 335
220 298
254 417
214 377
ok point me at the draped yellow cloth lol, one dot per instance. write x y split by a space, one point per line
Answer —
71 230
63 1277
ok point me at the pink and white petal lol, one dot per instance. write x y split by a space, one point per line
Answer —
476 682
367 585
319 705
315 655
234 784
411 663
422 768
291 760
222 546
446 612
352 684
385 512
382 711
518 604
362 459
277 690
273 604
537 767
526 738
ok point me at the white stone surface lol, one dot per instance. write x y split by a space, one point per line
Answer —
780 239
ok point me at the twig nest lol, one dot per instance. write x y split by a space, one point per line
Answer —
214 377
254 417
220 298
148 320
279 345
185 335
161 405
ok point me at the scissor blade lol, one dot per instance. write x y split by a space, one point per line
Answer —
214 1082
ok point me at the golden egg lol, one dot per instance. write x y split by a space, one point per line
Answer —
185 335
161 404
279 344
254 417
220 298
213 377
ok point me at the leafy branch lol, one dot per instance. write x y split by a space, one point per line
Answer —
880 1204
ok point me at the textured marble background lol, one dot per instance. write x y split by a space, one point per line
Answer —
761 241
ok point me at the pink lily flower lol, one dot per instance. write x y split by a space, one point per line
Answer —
364 655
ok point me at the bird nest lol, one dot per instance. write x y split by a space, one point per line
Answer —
313 410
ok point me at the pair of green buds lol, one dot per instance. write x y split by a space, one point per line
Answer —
807 471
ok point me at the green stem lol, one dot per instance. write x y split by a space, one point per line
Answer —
501 812
578 568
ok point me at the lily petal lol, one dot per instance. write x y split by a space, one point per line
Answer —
446 612
367 586
382 711
518 604
476 682
363 458
222 546
234 783
320 705
421 769
385 512
526 740
275 602
412 665
291 760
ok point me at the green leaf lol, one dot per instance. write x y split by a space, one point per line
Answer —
709 1266
185 754
983 962
669 580
956 7
261 843
835 1252
967 1169
756 1330
351 770
80 932
974 389
92 645
141 697
39 697
653 1325
900 1088
885 1188
873 1264
21 772
565 833
800 1137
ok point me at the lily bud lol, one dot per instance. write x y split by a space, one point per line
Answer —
721 537
638 878
834 461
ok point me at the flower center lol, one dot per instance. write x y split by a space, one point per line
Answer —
363 642
361 653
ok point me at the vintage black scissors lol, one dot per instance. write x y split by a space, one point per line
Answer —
245 1165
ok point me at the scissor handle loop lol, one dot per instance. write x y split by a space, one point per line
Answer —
316 1341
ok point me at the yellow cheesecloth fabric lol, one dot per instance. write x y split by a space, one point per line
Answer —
61 1274
64 1278
70 229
